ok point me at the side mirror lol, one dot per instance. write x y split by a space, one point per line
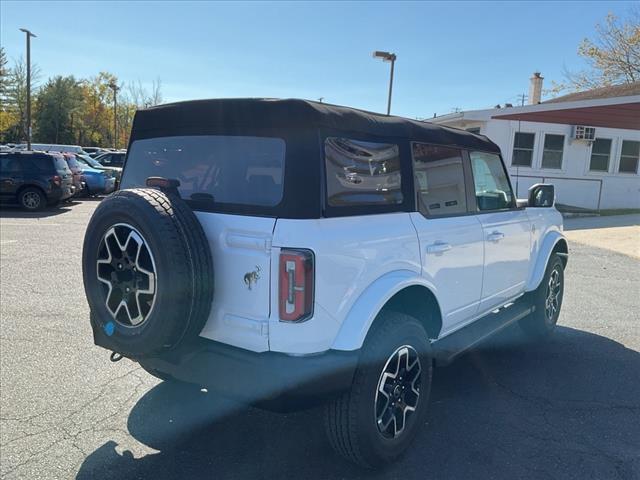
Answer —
542 195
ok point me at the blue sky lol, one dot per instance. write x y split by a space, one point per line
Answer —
465 54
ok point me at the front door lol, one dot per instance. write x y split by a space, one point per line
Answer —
506 230
451 240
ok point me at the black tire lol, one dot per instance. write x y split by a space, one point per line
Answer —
179 253
351 419
32 199
543 320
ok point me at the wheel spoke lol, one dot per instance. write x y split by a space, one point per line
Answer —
125 266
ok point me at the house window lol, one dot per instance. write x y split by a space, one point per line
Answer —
629 157
523 149
600 153
552 152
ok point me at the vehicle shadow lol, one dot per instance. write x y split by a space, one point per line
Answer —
566 408
11 211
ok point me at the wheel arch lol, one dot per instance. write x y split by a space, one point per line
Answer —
27 186
401 291
554 242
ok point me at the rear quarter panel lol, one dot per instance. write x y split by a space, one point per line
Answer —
351 253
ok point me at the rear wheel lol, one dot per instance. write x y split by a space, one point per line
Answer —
32 199
547 301
378 418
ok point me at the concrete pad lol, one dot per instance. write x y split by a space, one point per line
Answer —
619 233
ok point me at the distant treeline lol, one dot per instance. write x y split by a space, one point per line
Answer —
68 110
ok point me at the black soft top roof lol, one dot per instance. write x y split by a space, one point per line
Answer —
197 115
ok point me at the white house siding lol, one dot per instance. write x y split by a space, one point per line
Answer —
575 184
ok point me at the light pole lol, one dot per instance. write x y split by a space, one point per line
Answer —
387 57
29 35
115 89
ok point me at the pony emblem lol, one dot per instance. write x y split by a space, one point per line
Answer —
251 278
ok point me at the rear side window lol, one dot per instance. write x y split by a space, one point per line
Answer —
362 173
225 169
493 191
9 164
439 180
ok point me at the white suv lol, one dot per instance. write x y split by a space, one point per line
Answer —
351 253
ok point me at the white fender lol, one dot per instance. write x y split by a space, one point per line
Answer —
356 325
551 239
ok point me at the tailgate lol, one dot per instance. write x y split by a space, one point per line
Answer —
240 248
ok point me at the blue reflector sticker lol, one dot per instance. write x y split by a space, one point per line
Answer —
109 328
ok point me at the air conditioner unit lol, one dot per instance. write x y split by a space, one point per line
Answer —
580 132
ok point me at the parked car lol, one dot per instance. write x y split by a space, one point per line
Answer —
34 180
90 162
51 147
112 159
325 291
98 182
76 170
93 151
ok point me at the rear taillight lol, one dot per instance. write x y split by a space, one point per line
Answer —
57 180
296 285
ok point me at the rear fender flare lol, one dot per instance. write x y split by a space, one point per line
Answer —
356 325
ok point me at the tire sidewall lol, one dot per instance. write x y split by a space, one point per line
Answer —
554 263
381 346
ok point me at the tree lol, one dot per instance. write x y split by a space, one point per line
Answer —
13 127
58 104
613 56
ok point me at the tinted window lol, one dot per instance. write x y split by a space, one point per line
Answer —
232 169
362 173
629 157
117 159
9 164
523 149
38 163
493 191
600 151
439 180
553 149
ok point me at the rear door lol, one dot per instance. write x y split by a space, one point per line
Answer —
11 176
451 239
506 230
217 173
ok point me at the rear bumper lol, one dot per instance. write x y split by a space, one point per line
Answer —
270 380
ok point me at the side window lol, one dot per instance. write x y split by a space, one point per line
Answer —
553 149
9 164
362 173
106 160
493 191
629 157
600 152
523 149
439 180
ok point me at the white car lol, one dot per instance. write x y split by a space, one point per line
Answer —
289 253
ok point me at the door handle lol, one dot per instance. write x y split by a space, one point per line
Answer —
495 236
438 247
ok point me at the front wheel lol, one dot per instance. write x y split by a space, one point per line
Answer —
376 420
546 300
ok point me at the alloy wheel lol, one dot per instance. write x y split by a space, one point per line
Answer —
398 391
126 268
31 200
552 298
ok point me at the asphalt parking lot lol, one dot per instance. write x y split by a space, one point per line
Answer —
568 408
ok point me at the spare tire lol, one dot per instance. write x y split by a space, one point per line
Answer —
148 272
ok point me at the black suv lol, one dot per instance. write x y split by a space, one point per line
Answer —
34 179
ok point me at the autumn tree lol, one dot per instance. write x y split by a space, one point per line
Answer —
613 55
58 105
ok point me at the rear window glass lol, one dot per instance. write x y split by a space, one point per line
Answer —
362 173
59 162
231 169
72 162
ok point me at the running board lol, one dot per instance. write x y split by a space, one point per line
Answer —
460 341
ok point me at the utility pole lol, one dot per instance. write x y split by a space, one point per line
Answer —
115 89
29 35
